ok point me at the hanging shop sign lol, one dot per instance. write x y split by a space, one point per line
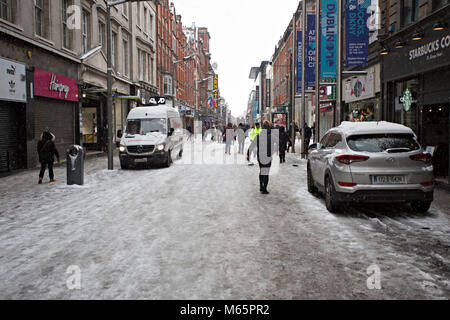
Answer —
216 90
310 61
299 62
255 109
55 86
356 32
359 88
12 81
328 39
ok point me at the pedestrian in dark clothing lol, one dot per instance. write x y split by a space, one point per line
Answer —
264 143
47 152
283 145
308 134
241 137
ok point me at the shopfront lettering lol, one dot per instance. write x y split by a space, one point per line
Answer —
59 87
430 48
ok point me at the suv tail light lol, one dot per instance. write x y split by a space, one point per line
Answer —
423 157
350 158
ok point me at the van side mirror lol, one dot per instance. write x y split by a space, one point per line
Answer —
119 133
172 130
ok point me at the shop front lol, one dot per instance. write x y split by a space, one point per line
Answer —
55 102
13 100
416 80
362 96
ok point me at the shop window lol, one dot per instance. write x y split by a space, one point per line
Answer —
407 114
42 18
410 12
437 4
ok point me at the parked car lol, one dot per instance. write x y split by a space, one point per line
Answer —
153 135
371 162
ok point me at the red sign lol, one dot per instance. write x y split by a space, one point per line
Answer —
55 86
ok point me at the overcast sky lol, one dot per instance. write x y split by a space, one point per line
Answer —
243 33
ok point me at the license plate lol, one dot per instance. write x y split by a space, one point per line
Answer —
143 160
389 180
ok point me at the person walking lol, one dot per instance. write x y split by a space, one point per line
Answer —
264 144
308 134
47 152
227 137
283 145
253 134
241 138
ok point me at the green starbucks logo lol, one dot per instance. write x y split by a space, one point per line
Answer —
407 100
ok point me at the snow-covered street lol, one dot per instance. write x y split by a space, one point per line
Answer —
199 231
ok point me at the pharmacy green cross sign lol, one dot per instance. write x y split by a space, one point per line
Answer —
407 100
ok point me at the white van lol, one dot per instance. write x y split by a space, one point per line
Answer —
153 135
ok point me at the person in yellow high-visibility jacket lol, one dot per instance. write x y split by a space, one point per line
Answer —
256 130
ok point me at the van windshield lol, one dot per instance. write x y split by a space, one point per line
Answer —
146 126
391 143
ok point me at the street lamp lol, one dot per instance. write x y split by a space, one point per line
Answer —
110 4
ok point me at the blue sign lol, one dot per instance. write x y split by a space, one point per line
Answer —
310 62
255 109
328 40
356 32
299 61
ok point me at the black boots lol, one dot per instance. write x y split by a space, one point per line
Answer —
263 182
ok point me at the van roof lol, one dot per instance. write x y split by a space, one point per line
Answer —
352 128
153 112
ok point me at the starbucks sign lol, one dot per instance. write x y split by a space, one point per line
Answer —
407 100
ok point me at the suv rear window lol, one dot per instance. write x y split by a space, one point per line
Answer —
389 142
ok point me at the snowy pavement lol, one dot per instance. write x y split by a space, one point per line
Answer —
199 231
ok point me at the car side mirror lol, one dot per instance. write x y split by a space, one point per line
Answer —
313 146
119 133
172 130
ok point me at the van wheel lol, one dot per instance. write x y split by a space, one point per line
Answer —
169 160
180 155
420 206
122 166
311 187
330 196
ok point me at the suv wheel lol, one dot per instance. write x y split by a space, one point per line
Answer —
311 187
420 206
330 196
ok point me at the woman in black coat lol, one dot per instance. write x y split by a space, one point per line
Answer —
284 140
47 151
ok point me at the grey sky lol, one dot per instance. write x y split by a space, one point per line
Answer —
243 33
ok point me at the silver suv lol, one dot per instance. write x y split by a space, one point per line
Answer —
371 162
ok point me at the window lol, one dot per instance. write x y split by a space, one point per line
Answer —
168 85
5 10
138 14
151 25
125 9
390 142
65 30
38 16
113 48
125 57
410 12
145 19
101 34
152 61
142 66
85 31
